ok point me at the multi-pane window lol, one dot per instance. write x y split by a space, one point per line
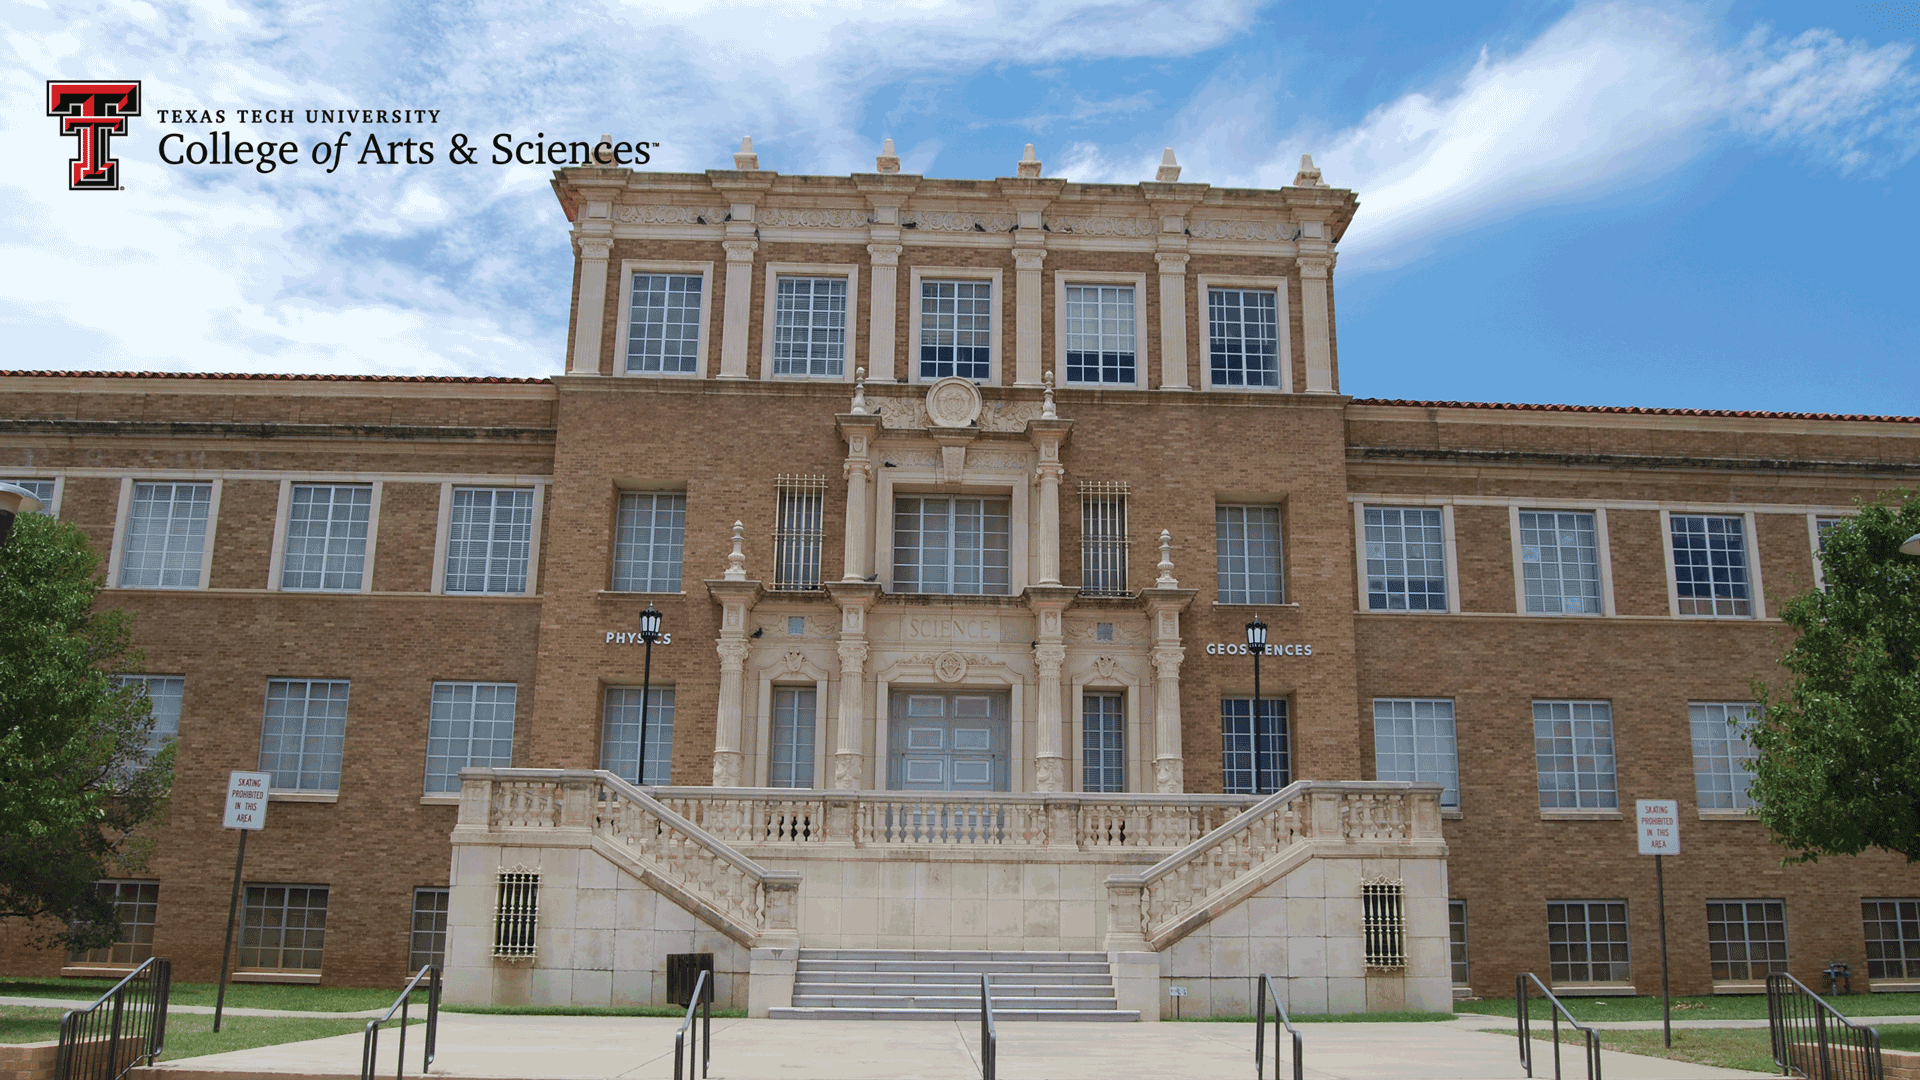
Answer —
427 938
798 505
1406 559
1100 338
1457 941
489 540
1256 758
304 732
1413 740
166 536
810 326
1243 337
327 537
283 927
1560 560
164 692
1722 756
663 324
138 904
621 734
471 724
1893 938
1103 539
1248 543
956 329
1573 751
1710 564
41 489
1746 939
950 545
1821 527
1102 752
650 532
1587 941
791 763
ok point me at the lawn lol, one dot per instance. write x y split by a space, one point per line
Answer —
1727 1048
189 1034
239 995
1714 1007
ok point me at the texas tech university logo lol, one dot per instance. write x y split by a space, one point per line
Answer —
93 112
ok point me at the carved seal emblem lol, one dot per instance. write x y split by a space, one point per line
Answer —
950 667
953 402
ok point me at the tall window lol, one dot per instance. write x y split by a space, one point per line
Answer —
166 536
620 729
791 763
649 537
1243 337
1573 751
1722 756
1821 527
1102 749
1560 560
1100 346
1413 740
427 938
138 904
1257 758
1406 559
283 927
1457 939
327 537
1248 541
1746 939
798 502
41 489
1710 564
469 724
164 692
663 324
1587 941
304 733
956 329
489 540
950 545
810 326
1893 938
1103 539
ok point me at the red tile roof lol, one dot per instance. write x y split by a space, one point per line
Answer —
1632 410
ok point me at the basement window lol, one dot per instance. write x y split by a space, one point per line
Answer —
1384 923
516 912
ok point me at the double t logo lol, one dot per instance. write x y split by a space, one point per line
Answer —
93 112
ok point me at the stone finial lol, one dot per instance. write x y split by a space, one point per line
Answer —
1309 174
737 560
859 392
603 151
1029 167
1166 580
1169 168
1046 399
745 159
888 161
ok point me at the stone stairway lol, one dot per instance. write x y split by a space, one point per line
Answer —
935 984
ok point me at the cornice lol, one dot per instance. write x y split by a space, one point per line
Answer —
1358 455
273 430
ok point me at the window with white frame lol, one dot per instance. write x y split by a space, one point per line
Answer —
810 326
1722 756
1103 759
166 537
164 692
468 724
790 764
489 540
1413 740
138 905
1406 559
1587 941
1247 539
1243 337
1256 756
1560 562
1573 753
41 489
1100 334
623 734
1710 564
956 329
283 928
663 324
650 531
1893 938
798 505
1457 942
326 547
304 733
945 544
1103 538
1821 527
427 934
1746 939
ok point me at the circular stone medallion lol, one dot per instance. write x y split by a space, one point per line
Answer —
953 402
950 667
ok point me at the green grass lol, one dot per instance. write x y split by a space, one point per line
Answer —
239 995
1726 1048
1900 1037
19 1024
588 1010
1331 1018
1712 1007
190 1034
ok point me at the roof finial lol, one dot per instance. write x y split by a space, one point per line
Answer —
888 161
1166 581
1309 175
745 159
859 392
737 561
1029 167
1046 399
1169 168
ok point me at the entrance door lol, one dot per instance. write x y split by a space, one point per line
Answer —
947 742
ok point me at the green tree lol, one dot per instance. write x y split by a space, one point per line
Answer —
1837 768
81 792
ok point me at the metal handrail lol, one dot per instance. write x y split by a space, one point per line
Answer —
1842 1049
370 1044
1526 1031
989 1035
1280 1020
703 1039
78 1056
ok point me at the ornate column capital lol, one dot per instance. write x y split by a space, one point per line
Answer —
740 250
884 254
853 657
1314 266
733 655
1049 659
595 247
1166 662
1028 258
1171 262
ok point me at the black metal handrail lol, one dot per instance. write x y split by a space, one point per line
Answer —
1831 1047
1280 1021
93 1039
989 1035
703 1040
1526 1031
403 1005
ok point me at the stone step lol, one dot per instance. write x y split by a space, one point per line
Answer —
957 978
949 988
945 1001
1125 1016
973 967
953 954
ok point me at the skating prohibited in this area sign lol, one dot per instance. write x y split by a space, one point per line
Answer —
1659 826
247 800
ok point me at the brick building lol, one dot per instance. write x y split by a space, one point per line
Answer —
953 420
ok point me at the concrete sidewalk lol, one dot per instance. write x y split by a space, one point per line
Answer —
1485 1022
204 1010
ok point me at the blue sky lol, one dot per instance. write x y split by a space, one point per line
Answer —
1666 204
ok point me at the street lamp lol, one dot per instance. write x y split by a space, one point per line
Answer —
649 633
1911 547
14 501
1257 645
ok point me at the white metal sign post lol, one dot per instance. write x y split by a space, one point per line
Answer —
245 809
1659 824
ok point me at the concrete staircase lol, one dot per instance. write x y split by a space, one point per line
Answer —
935 984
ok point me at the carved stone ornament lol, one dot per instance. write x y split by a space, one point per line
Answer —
726 768
1103 226
807 218
1049 774
897 414
792 661
669 215
1270 232
937 221
953 402
1169 776
950 667
1103 666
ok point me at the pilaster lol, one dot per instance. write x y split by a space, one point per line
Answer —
737 316
1316 320
859 429
1048 603
736 596
590 306
1047 436
1173 320
1026 315
850 725
884 264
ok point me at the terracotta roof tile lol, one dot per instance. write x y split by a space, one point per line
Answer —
1631 410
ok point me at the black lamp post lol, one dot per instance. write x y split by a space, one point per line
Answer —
1257 645
14 501
649 633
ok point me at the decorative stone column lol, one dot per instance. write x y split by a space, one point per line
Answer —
591 306
1316 322
1173 321
859 430
1165 601
1047 436
885 266
736 596
1026 315
737 315
1048 603
850 724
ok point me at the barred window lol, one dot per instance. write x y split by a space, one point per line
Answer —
810 326
1573 751
798 505
1103 539
1249 565
1710 564
621 733
470 724
1256 753
165 693
41 489
427 940
304 732
1406 559
649 539
663 325
1722 756
327 537
1103 756
950 545
1587 941
1746 939
791 763
1457 940
516 914
1893 938
1560 561
138 904
1243 337
166 536
1100 338
283 927
1413 740
489 540
1384 923
956 329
